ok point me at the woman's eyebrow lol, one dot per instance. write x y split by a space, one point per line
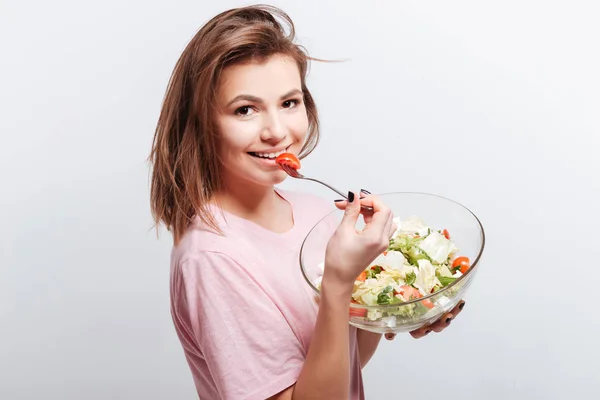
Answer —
291 93
255 99
246 97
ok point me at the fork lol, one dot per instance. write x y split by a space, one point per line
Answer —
295 174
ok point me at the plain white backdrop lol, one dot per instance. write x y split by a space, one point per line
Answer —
493 104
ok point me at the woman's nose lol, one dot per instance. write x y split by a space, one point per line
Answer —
274 129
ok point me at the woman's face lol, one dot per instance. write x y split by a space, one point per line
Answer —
260 115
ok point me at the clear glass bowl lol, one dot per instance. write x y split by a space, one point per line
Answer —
438 213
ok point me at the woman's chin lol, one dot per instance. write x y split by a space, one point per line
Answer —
278 177
269 179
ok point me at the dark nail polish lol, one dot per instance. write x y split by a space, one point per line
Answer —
461 306
448 320
350 197
365 191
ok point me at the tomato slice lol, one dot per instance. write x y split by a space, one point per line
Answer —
357 312
410 293
362 277
427 303
462 263
288 159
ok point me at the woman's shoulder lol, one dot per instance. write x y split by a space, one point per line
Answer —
200 239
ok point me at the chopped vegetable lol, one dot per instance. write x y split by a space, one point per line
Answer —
357 312
362 277
418 261
446 280
288 159
410 278
462 264
427 303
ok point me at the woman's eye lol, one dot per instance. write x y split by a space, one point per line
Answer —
244 111
290 103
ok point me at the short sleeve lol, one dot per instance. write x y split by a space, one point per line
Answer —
248 346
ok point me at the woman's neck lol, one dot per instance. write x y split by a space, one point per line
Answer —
259 204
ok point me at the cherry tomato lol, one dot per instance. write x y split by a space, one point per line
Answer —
463 263
288 159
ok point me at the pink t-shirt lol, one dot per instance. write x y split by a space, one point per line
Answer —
242 310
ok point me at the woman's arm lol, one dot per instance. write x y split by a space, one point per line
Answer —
325 373
367 344
326 370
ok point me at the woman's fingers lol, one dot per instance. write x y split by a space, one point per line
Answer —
447 318
342 203
421 332
458 309
442 323
380 215
351 211
437 327
369 200
390 226
367 215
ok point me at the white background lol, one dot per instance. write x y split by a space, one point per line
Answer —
493 104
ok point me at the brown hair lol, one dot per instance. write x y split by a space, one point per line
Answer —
186 168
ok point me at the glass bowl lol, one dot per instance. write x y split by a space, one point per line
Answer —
438 213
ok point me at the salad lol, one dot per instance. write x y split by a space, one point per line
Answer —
418 261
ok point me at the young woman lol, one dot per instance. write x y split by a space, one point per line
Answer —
247 321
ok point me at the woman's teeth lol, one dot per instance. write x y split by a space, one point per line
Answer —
267 155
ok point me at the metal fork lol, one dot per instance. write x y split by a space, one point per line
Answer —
295 174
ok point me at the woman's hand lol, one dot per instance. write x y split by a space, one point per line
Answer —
442 323
350 251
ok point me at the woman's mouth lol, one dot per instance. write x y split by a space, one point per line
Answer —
268 156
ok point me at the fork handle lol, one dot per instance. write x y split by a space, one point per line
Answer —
345 196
